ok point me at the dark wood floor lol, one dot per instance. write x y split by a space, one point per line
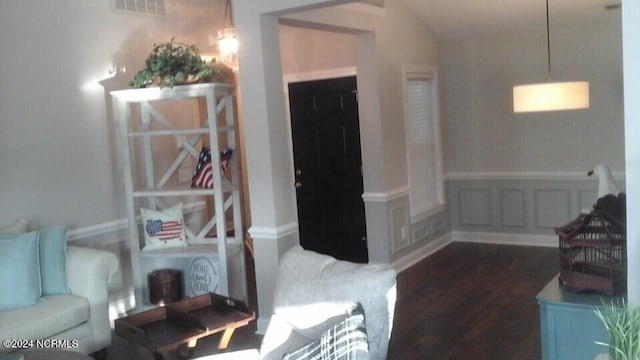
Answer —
467 301
472 301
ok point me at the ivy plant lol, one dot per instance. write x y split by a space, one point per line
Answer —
173 63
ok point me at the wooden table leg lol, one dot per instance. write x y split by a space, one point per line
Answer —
186 350
192 343
226 338
191 347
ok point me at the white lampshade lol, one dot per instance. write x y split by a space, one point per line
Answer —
551 96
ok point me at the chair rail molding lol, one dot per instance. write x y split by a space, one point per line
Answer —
526 175
109 227
273 233
385 196
86 232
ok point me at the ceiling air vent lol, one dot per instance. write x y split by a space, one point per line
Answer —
151 7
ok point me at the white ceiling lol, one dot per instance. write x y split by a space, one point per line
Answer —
467 19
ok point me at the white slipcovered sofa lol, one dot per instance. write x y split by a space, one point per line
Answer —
81 317
313 293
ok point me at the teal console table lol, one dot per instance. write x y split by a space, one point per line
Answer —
569 327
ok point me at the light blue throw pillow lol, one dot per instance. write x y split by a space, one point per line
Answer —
19 270
52 250
53 260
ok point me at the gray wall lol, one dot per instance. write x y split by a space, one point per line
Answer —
59 160
513 177
308 50
483 135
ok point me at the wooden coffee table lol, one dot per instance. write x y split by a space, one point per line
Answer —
178 326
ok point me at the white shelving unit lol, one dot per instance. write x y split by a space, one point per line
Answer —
146 128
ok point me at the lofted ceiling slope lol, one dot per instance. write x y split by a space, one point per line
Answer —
469 19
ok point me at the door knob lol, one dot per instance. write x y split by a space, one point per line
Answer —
298 184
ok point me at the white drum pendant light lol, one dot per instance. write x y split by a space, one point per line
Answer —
550 96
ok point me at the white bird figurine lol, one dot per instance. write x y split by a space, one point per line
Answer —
606 184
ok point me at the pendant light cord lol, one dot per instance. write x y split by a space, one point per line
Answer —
229 11
548 46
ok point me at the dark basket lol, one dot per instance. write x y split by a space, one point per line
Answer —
165 286
593 254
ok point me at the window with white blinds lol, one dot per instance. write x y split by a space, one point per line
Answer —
153 7
422 122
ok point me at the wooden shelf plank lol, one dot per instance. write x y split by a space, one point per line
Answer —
171 93
193 250
170 132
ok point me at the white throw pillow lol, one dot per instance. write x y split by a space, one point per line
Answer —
163 229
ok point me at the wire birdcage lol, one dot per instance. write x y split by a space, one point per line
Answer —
593 254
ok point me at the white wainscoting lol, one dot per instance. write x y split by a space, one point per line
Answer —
501 208
518 203
410 235
402 263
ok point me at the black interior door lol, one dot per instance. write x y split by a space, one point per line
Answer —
328 167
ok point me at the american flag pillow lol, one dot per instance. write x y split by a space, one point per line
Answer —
203 175
163 229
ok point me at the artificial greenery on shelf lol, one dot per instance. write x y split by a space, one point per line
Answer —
173 63
622 322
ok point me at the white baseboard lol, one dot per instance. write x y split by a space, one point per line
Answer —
427 250
414 257
505 238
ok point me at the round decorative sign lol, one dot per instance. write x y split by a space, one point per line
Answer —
203 276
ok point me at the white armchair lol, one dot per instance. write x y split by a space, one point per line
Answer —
314 292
